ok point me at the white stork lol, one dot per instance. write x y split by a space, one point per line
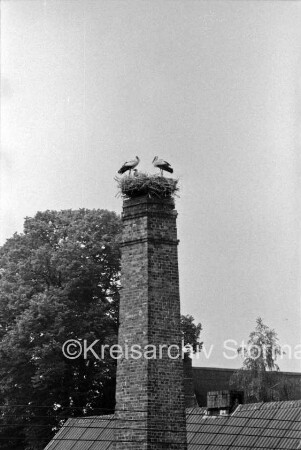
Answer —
162 165
129 165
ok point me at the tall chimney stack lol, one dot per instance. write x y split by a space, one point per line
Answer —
150 405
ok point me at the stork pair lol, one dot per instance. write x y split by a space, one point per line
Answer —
160 163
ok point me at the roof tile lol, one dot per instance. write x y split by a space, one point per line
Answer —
258 426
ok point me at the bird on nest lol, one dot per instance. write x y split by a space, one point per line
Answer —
162 165
129 165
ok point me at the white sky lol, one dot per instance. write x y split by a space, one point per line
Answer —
211 86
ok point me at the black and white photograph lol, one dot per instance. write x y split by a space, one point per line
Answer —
150 225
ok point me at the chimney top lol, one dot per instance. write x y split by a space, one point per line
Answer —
153 186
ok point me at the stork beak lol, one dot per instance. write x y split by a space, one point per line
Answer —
154 159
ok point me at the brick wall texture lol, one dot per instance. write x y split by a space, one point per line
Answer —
150 407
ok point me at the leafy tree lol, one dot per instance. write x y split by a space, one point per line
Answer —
59 280
191 334
258 377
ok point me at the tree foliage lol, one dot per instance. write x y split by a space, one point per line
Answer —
258 377
59 280
191 333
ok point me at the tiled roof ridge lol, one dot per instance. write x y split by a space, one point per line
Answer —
250 406
270 405
227 369
100 417
202 409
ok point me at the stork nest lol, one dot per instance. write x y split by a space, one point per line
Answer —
131 186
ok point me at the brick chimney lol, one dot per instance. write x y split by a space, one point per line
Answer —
150 406
190 397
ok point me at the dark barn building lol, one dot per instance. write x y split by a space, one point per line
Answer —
207 379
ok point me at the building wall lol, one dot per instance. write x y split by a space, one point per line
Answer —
207 379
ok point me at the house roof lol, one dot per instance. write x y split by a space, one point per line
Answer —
274 425
85 433
256 426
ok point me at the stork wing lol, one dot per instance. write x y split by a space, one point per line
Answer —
163 165
128 165
124 168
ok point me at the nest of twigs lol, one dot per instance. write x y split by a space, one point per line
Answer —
140 184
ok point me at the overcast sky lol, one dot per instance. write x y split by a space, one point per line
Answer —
214 88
